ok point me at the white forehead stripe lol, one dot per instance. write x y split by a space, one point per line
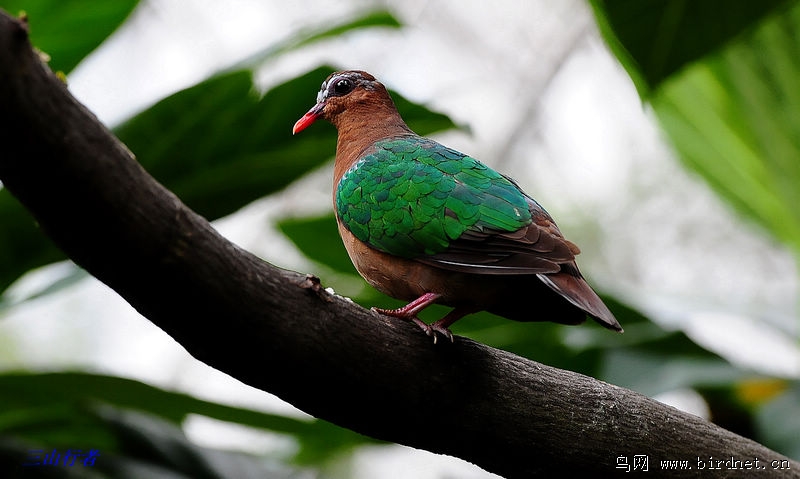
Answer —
323 92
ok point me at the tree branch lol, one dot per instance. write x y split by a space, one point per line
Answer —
278 331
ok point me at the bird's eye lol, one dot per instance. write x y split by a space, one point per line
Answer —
342 87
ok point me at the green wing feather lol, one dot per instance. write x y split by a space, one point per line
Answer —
413 197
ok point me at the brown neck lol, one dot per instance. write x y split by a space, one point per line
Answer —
359 127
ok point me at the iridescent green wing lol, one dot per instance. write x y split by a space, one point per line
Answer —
415 198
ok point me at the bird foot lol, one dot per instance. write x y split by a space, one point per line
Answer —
437 328
433 330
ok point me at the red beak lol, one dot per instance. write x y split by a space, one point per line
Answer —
308 118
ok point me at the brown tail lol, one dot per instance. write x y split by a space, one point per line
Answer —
569 283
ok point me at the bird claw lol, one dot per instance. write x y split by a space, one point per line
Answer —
433 330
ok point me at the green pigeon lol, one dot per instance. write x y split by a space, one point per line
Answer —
427 224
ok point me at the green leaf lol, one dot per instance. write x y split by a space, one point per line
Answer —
733 119
136 445
22 245
152 447
778 421
51 408
724 79
318 239
66 278
218 146
378 18
652 373
68 30
654 39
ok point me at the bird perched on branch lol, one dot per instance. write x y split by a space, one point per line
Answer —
427 224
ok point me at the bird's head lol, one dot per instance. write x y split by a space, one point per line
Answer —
343 91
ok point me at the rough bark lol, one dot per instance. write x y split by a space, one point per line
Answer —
278 331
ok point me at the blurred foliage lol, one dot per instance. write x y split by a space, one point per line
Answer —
233 148
647 358
68 30
220 145
628 360
136 427
777 421
215 172
735 119
654 39
22 245
723 82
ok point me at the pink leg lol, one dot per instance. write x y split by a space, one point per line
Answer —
413 308
409 313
